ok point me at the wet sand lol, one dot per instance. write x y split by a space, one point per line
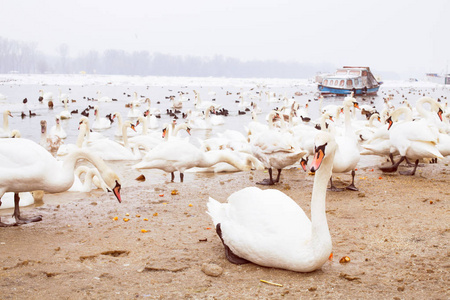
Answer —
394 230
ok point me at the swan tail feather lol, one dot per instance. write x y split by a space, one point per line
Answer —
215 210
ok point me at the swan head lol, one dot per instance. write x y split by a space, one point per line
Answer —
324 148
113 183
439 113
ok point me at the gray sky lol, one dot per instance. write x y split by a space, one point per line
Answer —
388 35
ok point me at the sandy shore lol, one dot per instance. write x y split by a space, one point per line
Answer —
394 230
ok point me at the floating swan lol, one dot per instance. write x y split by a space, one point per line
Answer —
25 166
57 129
65 114
268 228
5 132
49 142
112 150
100 123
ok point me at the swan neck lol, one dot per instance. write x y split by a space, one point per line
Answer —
318 199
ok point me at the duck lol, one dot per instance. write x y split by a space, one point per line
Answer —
100 123
5 132
268 228
180 155
26 166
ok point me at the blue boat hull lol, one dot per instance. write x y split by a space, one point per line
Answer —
330 90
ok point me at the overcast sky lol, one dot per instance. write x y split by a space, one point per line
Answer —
387 35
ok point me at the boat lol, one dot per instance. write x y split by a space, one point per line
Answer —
346 80
438 78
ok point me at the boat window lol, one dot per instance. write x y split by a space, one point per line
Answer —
336 82
341 83
364 73
349 83
325 82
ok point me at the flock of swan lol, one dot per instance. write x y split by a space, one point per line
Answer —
263 226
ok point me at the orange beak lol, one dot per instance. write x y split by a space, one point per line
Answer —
440 112
318 158
116 191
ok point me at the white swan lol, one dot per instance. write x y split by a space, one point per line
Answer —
275 149
49 142
92 176
25 166
413 140
101 98
57 129
179 155
268 228
347 153
65 114
5 132
202 105
100 123
112 150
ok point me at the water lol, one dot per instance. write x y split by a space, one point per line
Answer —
158 89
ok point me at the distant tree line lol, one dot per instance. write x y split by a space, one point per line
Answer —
23 57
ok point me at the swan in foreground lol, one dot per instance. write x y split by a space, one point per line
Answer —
26 166
268 228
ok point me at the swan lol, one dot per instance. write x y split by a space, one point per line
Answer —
133 113
202 105
152 120
268 228
65 149
99 122
347 153
119 131
57 129
201 123
101 98
90 136
25 166
91 176
275 149
112 150
5 132
179 155
63 97
413 140
49 142
65 114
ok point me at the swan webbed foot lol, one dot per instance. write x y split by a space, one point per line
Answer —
270 180
392 168
266 181
233 258
6 225
352 187
20 220
334 189
410 173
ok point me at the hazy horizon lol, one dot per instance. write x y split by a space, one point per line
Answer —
402 37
